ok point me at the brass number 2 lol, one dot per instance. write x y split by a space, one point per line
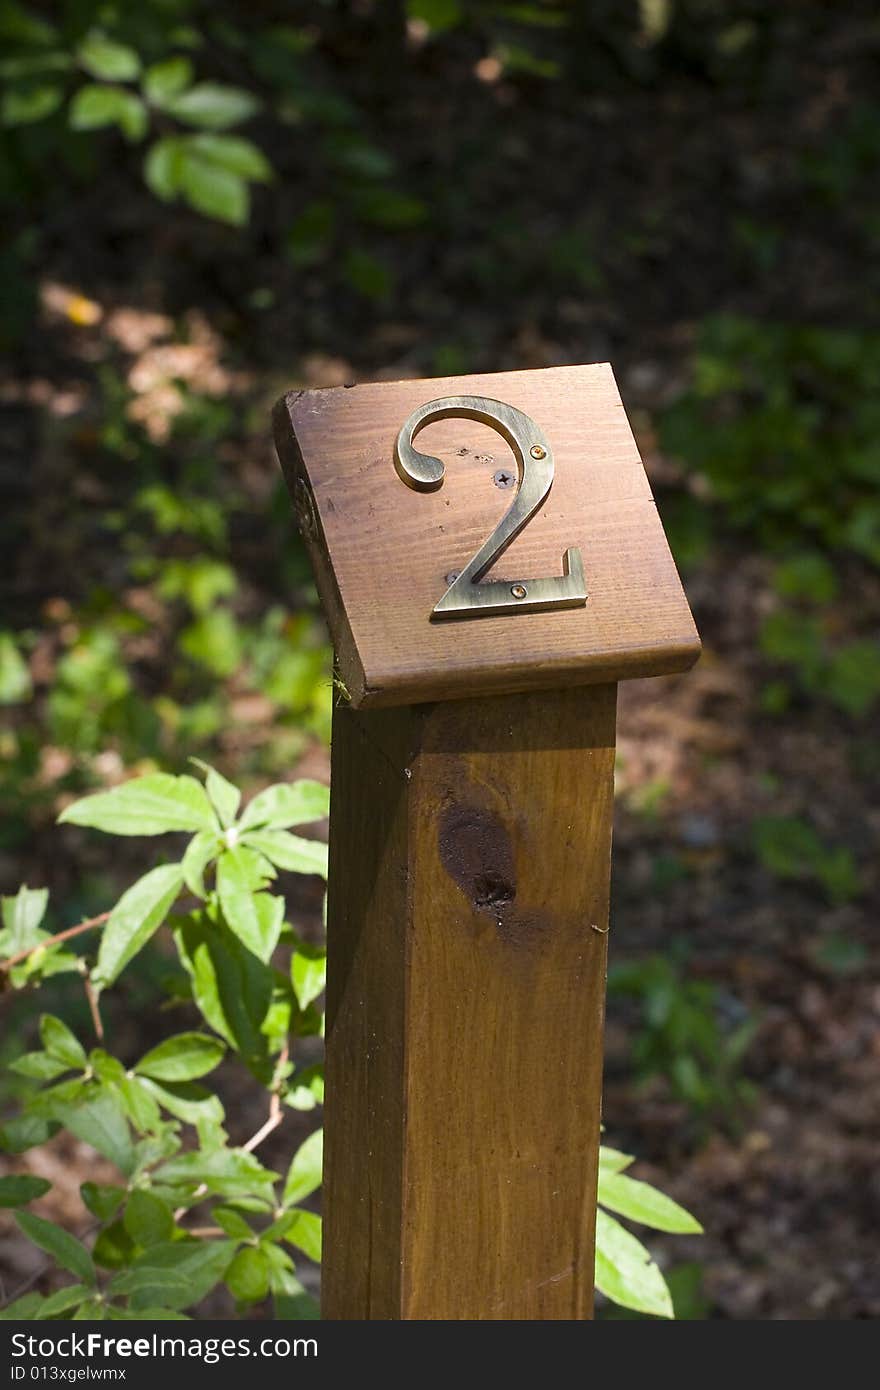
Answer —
466 597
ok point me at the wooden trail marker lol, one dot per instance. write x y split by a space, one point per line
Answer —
471 810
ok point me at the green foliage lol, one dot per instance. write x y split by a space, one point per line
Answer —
791 849
625 1271
162 1130
150 1118
682 1037
782 421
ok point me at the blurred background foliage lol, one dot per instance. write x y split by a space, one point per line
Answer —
206 205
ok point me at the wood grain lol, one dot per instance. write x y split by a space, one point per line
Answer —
469 879
381 551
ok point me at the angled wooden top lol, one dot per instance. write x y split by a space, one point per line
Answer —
381 551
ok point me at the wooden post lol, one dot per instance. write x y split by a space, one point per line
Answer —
471 807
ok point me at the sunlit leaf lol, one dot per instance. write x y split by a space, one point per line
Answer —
304 1174
625 1271
151 805
139 913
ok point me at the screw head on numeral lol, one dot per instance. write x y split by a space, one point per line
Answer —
519 590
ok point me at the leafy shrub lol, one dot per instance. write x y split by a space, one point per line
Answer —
783 422
153 1118
682 1037
791 849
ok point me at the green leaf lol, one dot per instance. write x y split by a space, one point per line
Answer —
367 274
102 1201
63 1300
213 640
612 1160
58 1243
100 1122
786 846
436 14
22 916
103 57
306 1235
26 1132
231 987
311 234
139 913
385 207
290 852
304 1174
224 797
307 1089
148 1220
189 1102
853 677
174 1274
287 804
95 106
94 1310
297 1306
290 1298
163 167
241 872
15 677
168 79
182 1058
201 849
38 1065
247 1278
19 1189
308 972
114 1247
24 1309
157 1314
28 101
213 106
139 1104
232 1222
151 805
626 1273
234 153
642 1202
225 1172
60 1043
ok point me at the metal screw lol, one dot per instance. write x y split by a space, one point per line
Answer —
452 576
519 590
504 478
537 452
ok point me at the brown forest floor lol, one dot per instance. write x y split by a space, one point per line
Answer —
656 179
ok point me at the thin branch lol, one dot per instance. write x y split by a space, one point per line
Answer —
98 921
275 1118
94 1008
102 917
272 1123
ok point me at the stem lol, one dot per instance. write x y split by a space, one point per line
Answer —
92 996
275 1118
272 1123
98 921
102 917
